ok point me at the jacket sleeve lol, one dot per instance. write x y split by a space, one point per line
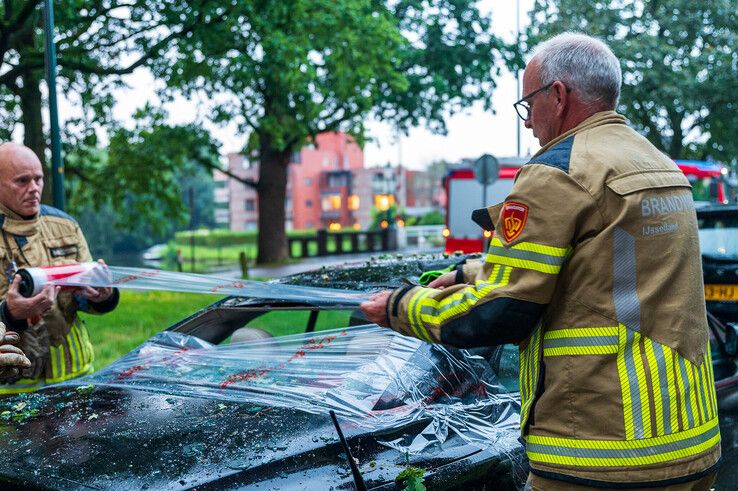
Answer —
536 229
85 305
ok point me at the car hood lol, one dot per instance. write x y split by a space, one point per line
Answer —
180 413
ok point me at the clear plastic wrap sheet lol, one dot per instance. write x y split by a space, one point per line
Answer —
154 279
372 377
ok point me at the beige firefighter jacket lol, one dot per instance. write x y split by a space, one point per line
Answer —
599 232
58 345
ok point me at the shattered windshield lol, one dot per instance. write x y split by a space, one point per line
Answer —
372 377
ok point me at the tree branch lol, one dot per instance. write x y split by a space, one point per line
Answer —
148 54
7 30
86 22
15 72
247 182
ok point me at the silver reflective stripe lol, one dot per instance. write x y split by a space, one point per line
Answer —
526 255
624 453
663 386
466 296
625 296
635 394
687 391
580 341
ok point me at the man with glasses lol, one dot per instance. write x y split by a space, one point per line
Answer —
594 271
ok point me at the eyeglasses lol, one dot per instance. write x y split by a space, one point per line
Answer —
522 107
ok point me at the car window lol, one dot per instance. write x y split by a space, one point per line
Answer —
280 323
719 236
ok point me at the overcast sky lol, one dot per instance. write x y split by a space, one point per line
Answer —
470 134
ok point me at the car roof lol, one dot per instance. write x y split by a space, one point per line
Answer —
716 210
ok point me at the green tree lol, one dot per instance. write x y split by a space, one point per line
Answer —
679 66
295 69
146 173
97 41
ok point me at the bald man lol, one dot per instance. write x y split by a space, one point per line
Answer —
52 335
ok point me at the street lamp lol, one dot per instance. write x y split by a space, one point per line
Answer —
57 169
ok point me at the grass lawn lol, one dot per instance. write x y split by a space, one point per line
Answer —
142 314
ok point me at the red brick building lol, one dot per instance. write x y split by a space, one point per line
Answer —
320 190
328 187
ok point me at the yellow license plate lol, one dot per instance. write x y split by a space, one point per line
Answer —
721 292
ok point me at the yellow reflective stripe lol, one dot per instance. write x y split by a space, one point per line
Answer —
700 375
89 352
625 384
74 363
61 364
581 341
655 384
582 332
693 390
671 384
69 376
414 317
580 350
623 453
533 247
711 382
57 361
437 312
527 255
531 368
642 387
691 419
82 343
82 351
524 264
21 386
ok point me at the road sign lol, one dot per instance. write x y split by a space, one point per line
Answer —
486 169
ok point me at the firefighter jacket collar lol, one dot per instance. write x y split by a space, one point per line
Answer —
597 119
484 216
14 224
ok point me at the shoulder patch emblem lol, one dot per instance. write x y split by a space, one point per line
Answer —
514 215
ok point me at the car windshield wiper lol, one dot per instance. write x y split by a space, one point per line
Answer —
358 479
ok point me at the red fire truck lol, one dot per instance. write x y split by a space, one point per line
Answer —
464 195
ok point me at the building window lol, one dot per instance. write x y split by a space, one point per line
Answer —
336 180
308 181
331 202
250 205
383 202
308 203
353 202
220 184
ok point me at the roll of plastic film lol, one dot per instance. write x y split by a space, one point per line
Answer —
34 279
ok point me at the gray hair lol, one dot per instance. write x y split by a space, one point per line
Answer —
583 63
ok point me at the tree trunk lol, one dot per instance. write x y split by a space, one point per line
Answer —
676 146
33 129
272 192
